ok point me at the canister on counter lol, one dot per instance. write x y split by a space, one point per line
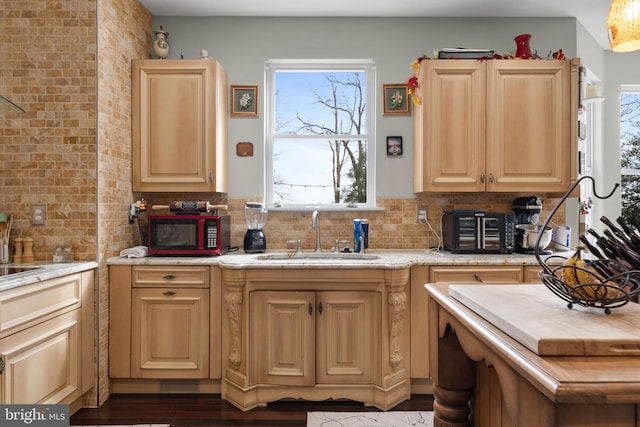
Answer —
68 254
58 255
364 226
357 236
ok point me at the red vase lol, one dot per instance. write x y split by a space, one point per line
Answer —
522 46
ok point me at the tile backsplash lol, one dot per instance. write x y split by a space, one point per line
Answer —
393 227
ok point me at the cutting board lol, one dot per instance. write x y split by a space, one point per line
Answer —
542 322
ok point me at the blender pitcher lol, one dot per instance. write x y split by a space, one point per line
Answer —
255 240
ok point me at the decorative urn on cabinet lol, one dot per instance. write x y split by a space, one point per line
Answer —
161 45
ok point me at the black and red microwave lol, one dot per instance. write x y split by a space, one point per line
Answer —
188 235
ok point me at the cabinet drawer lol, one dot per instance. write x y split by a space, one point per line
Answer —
153 277
476 274
27 305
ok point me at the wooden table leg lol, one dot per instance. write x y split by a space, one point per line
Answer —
454 382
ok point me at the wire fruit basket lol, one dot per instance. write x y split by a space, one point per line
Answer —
608 281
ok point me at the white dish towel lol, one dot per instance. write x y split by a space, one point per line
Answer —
135 252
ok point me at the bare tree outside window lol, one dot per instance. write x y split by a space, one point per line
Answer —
322 139
630 155
346 106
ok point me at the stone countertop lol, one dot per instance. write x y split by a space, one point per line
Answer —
389 259
42 272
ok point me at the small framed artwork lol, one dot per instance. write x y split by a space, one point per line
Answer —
396 99
244 101
394 146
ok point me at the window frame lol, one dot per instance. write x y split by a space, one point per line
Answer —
627 89
272 66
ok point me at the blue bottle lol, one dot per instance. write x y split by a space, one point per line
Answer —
364 225
356 235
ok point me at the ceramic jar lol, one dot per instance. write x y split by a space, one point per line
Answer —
161 45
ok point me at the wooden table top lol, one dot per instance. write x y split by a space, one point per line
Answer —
563 379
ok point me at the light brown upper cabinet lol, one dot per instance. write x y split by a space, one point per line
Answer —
496 125
179 113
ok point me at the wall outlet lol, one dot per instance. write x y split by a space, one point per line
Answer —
422 215
38 214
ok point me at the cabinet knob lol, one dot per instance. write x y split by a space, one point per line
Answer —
169 294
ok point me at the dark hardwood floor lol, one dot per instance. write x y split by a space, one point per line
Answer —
209 410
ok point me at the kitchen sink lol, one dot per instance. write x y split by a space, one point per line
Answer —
310 256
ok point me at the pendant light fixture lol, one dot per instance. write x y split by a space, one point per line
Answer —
623 25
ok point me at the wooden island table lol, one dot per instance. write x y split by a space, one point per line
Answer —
516 355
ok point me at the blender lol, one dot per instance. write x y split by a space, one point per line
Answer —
255 240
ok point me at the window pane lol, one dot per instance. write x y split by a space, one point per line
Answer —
304 170
320 134
320 102
630 154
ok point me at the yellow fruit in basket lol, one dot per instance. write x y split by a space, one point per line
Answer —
569 275
590 281
576 273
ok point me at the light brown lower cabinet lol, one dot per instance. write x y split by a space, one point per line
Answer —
460 274
170 333
46 341
308 338
164 322
316 334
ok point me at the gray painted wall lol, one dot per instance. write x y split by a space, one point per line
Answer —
242 45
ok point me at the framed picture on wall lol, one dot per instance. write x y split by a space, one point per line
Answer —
244 101
396 99
394 146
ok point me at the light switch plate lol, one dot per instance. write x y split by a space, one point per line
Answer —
38 214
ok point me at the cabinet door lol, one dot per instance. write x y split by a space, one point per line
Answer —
179 126
170 333
450 127
348 342
42 363
476 274
283 337
530 125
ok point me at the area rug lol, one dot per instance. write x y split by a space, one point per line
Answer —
370 419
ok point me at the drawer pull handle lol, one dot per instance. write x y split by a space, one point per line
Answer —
478 278
169 277
169 294
310 308
320 308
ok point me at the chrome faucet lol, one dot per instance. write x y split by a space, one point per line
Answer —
315 223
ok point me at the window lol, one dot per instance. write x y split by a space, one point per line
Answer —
585 148
630 151
320 134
